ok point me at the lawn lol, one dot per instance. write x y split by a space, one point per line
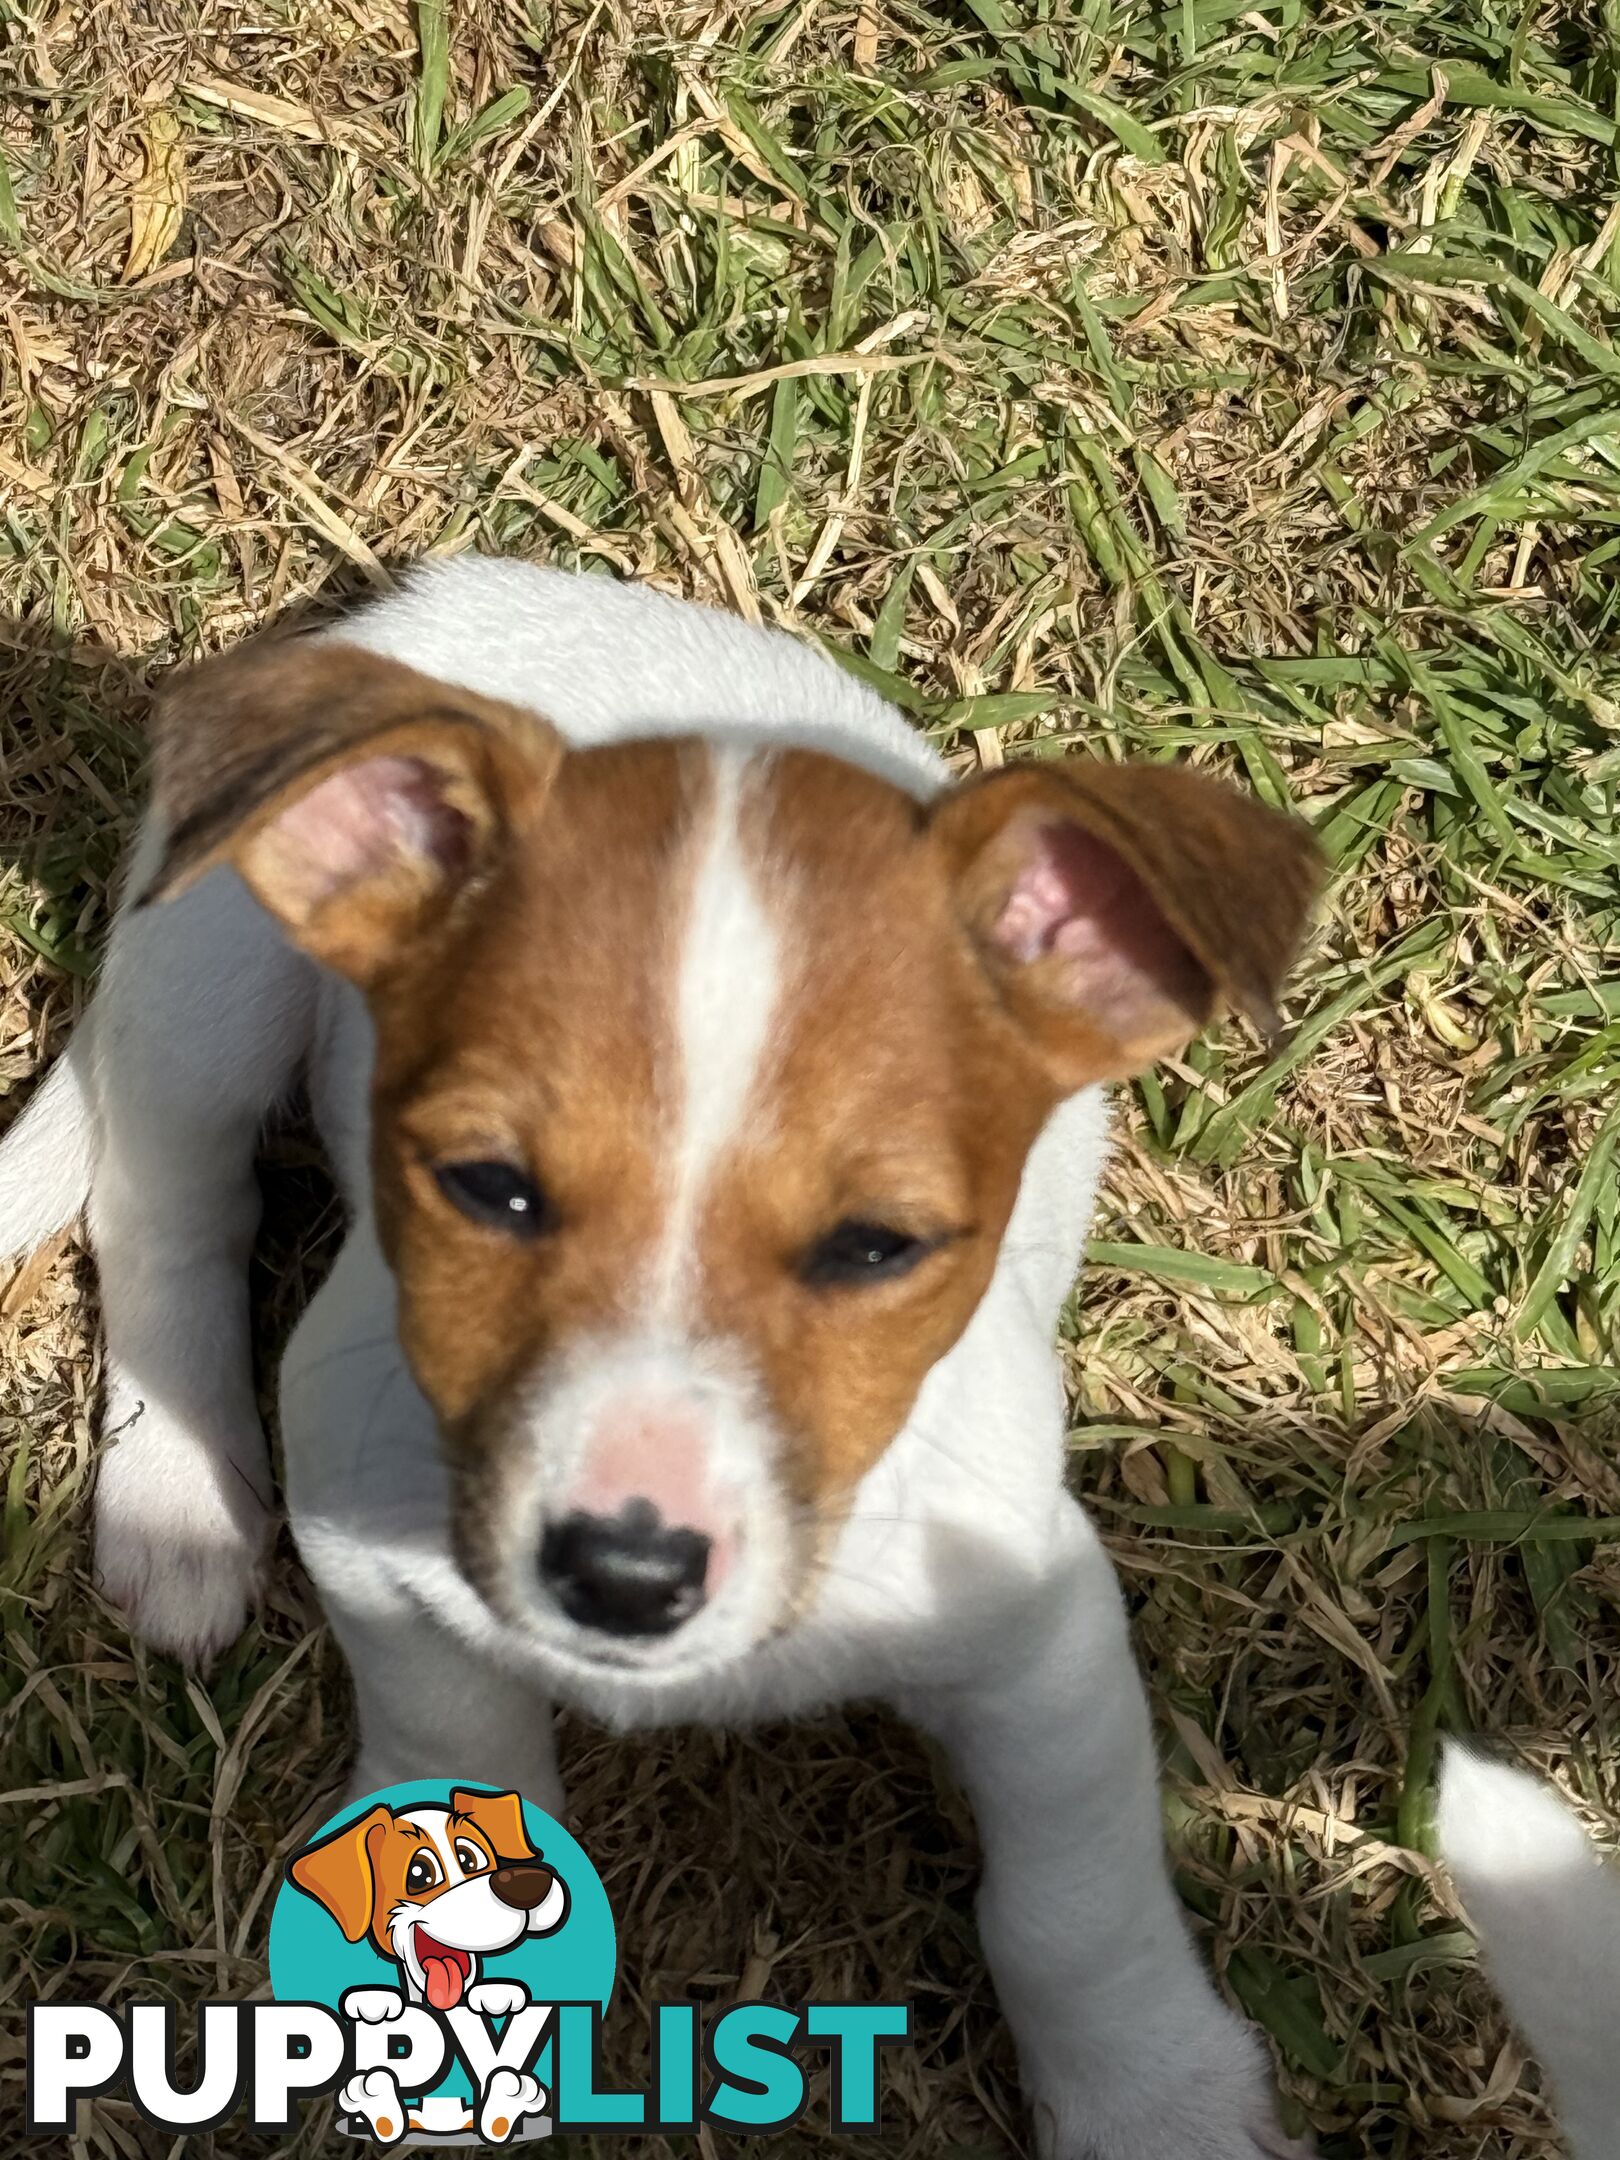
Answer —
1230 380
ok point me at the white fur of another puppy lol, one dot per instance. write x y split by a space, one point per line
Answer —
966 1586
1548 1915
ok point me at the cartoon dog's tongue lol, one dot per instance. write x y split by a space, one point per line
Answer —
444 1972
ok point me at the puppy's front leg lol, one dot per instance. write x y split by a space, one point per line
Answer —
1126 2049
198 1027
429 1708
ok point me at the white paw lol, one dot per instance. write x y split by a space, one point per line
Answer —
497 1998
508 2097
1209 2098
1075 2131
373 2006
180 1546
375 2096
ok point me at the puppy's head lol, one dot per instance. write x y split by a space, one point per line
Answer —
434 1887
705 1077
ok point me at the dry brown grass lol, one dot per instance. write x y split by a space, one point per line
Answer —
1266 410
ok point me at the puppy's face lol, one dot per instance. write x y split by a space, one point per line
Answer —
436 1887
705 1079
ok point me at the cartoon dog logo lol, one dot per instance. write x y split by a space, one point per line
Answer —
437 1889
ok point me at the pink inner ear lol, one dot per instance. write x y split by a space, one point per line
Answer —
366 820
1077 901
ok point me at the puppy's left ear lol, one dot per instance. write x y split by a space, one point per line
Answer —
1115 907
500 1817
338 1873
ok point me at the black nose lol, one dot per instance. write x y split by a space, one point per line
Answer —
521 1886
627 1574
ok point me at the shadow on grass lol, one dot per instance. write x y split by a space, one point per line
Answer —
1302 1670
74 719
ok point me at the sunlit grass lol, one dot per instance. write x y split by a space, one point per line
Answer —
1222 380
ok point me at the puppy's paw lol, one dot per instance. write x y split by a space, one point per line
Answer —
180 1548
508 2097
1210 2097
374 2096
1075 2131
373 2006
497 1998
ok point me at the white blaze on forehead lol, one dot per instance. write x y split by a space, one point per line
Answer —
435 1821
727 977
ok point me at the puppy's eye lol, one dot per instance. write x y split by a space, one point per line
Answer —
860 1252
469 1859
497 1194
422 1874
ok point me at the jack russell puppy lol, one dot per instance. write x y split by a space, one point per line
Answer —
714 1090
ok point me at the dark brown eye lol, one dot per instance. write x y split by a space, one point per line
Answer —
498 1195
423 1874
860 1252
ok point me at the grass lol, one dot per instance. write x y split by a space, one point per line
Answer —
1234 381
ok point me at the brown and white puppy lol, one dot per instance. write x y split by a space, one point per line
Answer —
714 1089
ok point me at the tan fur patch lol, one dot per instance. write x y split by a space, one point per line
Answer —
543 1037
547 1036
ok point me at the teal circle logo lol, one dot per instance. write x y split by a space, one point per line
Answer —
442 1921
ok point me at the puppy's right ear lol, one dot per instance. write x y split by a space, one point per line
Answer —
338 1873
359 800
500 1817
1114 907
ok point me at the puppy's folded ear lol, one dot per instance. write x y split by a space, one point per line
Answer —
359 800
1114 907
500 1817
338 1873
